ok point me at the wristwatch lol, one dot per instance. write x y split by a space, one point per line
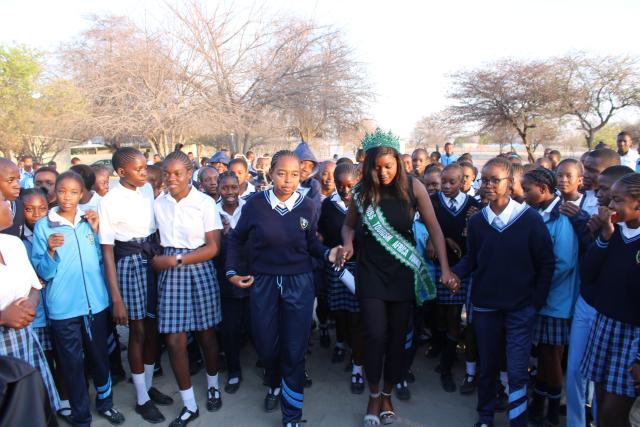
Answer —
179 261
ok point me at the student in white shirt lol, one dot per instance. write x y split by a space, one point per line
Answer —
19 296
90 198
128 244
239 167
189 295
628 156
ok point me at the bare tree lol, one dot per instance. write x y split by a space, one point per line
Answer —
250 67
137 84
593 89
507 93
434 131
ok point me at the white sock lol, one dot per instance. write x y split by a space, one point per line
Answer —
65 407
356 369
504 379
341 345
234 380
148 375
212 381
275 391
471 368
141 388
189 400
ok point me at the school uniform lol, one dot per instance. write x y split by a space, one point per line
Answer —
251 189
18 278
134 245
26 179
552 324
40 325
452 217
506 296
332 215
235 301
77 303
189 295
590 202
92 204
281 240
17 228
611 267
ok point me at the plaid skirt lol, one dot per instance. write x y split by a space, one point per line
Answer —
188 297
132 281
23 344
444 295
551 330
340 298
44 337
609 355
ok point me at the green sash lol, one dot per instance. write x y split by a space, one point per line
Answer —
400 248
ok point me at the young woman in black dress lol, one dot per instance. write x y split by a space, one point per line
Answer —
390 273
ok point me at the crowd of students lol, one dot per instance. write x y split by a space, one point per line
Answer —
530 269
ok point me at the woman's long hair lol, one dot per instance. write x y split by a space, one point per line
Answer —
371 188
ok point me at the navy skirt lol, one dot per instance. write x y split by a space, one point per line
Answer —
188 296
610 353
23 344
551 330
340 298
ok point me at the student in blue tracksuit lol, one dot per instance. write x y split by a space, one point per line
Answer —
66 254
610 269
279 231
505 296
551 333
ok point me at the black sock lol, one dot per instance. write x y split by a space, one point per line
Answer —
539 395
553 411
448 354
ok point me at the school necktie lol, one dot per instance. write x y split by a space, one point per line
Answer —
452 204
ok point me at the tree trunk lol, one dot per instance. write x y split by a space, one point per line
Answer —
589 139
527 145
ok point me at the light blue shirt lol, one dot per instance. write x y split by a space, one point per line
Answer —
26 179
447 160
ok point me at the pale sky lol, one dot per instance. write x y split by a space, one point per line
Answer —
408 47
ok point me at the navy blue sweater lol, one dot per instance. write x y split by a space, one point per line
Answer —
612 270
277 244
512 268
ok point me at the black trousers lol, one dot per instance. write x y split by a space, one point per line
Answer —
385 326
77 340
235 319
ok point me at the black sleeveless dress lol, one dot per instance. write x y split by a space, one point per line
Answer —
379 274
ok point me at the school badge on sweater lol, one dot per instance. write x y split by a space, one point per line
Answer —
304 223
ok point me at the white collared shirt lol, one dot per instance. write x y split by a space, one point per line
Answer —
471 192
183 224
335 198
235 216
92 204
460 198
289 203
590 204
16 274
512 209
627 232
54 216
546 213
249 191
126 214
577 201
630 159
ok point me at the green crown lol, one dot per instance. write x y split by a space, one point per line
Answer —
380 139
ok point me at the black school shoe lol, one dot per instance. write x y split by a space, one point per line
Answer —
113 416
65 415
446 379
357 384
214 399
179 422
271 401
469 384
308 382
159 398
338 355
150 413
402 391
232 388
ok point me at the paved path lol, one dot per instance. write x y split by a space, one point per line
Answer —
328 402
